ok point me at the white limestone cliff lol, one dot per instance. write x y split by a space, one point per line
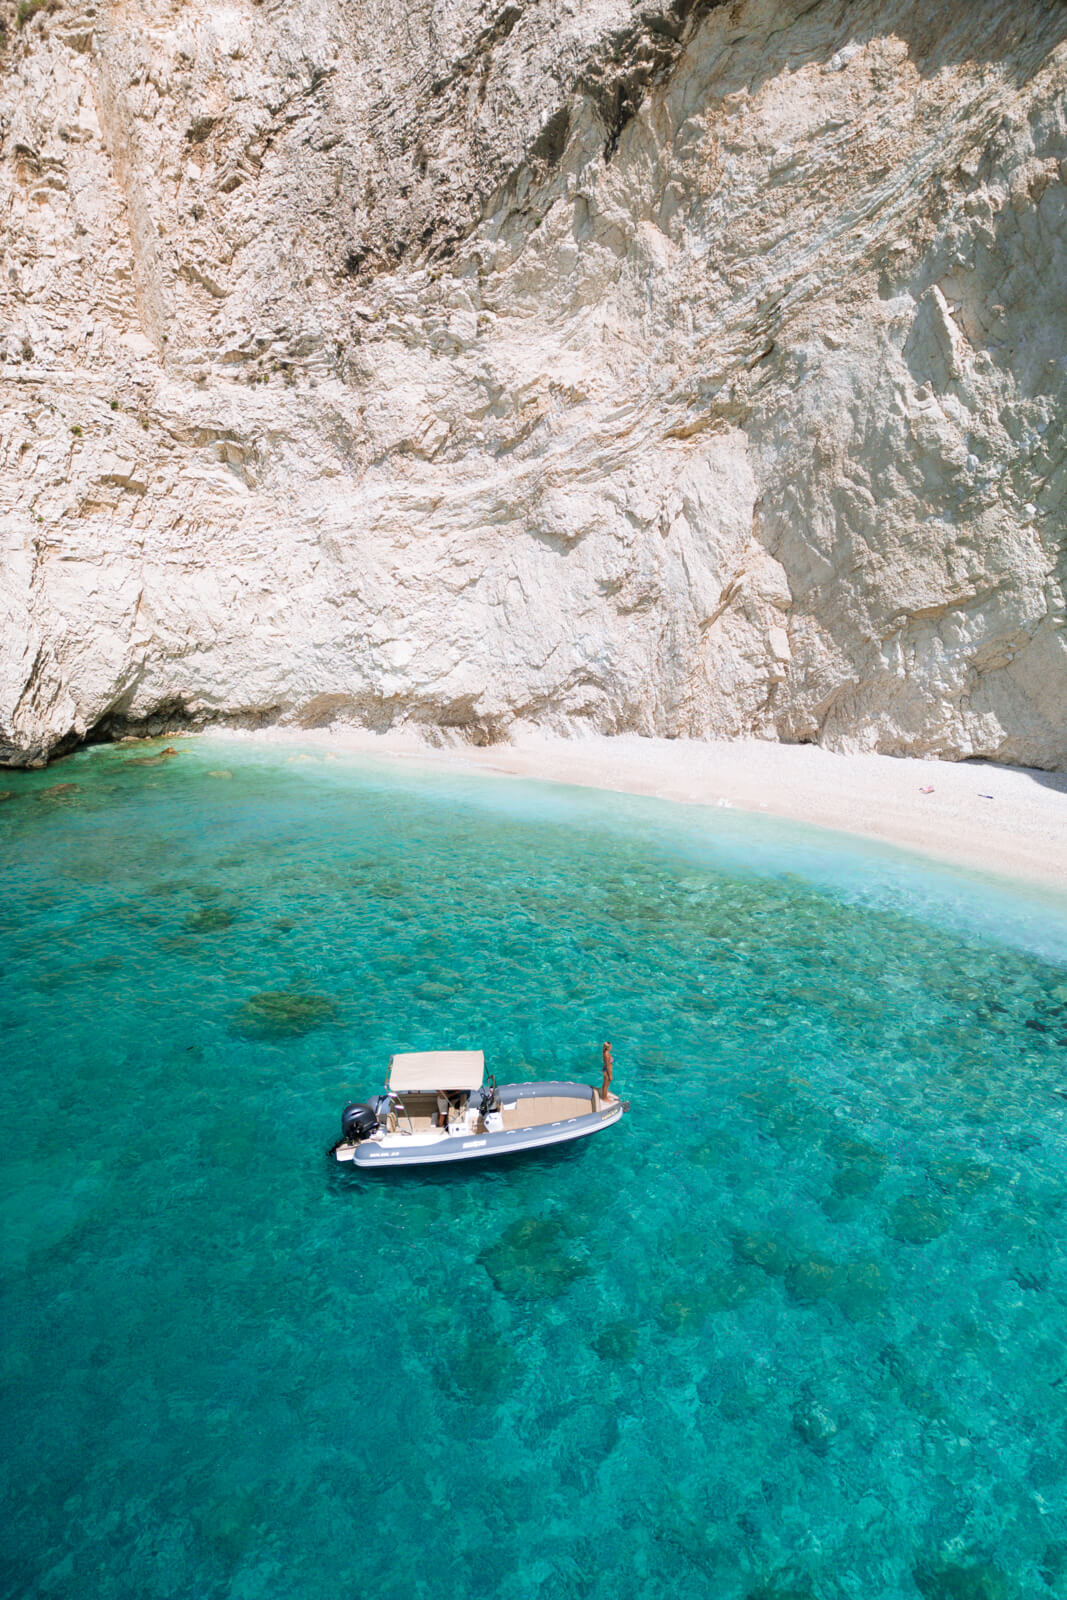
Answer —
682 368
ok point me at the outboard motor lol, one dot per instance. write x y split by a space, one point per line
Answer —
357 1122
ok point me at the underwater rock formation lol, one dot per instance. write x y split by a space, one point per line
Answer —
688 368
153 761
532 1260
216 919
285 1013
914 1220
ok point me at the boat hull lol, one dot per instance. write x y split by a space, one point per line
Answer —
403 1150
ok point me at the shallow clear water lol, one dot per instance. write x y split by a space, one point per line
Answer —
794 1329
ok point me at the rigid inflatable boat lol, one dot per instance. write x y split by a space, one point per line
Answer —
437 1107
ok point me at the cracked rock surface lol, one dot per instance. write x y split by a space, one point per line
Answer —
679 368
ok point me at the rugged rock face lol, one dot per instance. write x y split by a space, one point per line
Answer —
681 367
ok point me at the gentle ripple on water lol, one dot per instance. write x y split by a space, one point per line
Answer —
795 1329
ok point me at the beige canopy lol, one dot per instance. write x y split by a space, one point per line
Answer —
437 1069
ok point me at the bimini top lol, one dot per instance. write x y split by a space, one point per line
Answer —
437 1069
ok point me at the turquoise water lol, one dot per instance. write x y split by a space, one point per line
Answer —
796 1328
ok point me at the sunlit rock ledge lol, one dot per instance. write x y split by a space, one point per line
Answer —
684 369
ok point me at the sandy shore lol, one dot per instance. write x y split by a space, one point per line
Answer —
1008 820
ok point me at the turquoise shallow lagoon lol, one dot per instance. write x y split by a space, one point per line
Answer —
796 1329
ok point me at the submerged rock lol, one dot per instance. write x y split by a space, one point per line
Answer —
857 1288
686 1312
482 1369
285 1013
864 1290
914 1220
961 1178
209 919
617 1342
961 1580
860 1166
813 1424
59 791
854 1151
762 1250
388 888
435 991
229 1525
813 1278
530 1260
1032 1275
712 1151
783 1585
854 1183
152 761
1053 1566
909 1385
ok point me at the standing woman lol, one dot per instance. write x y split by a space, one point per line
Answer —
609 1068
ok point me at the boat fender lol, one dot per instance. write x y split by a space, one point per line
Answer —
358 1122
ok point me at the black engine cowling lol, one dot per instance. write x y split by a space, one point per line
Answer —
358 1122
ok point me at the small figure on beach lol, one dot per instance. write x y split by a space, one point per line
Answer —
609 1068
